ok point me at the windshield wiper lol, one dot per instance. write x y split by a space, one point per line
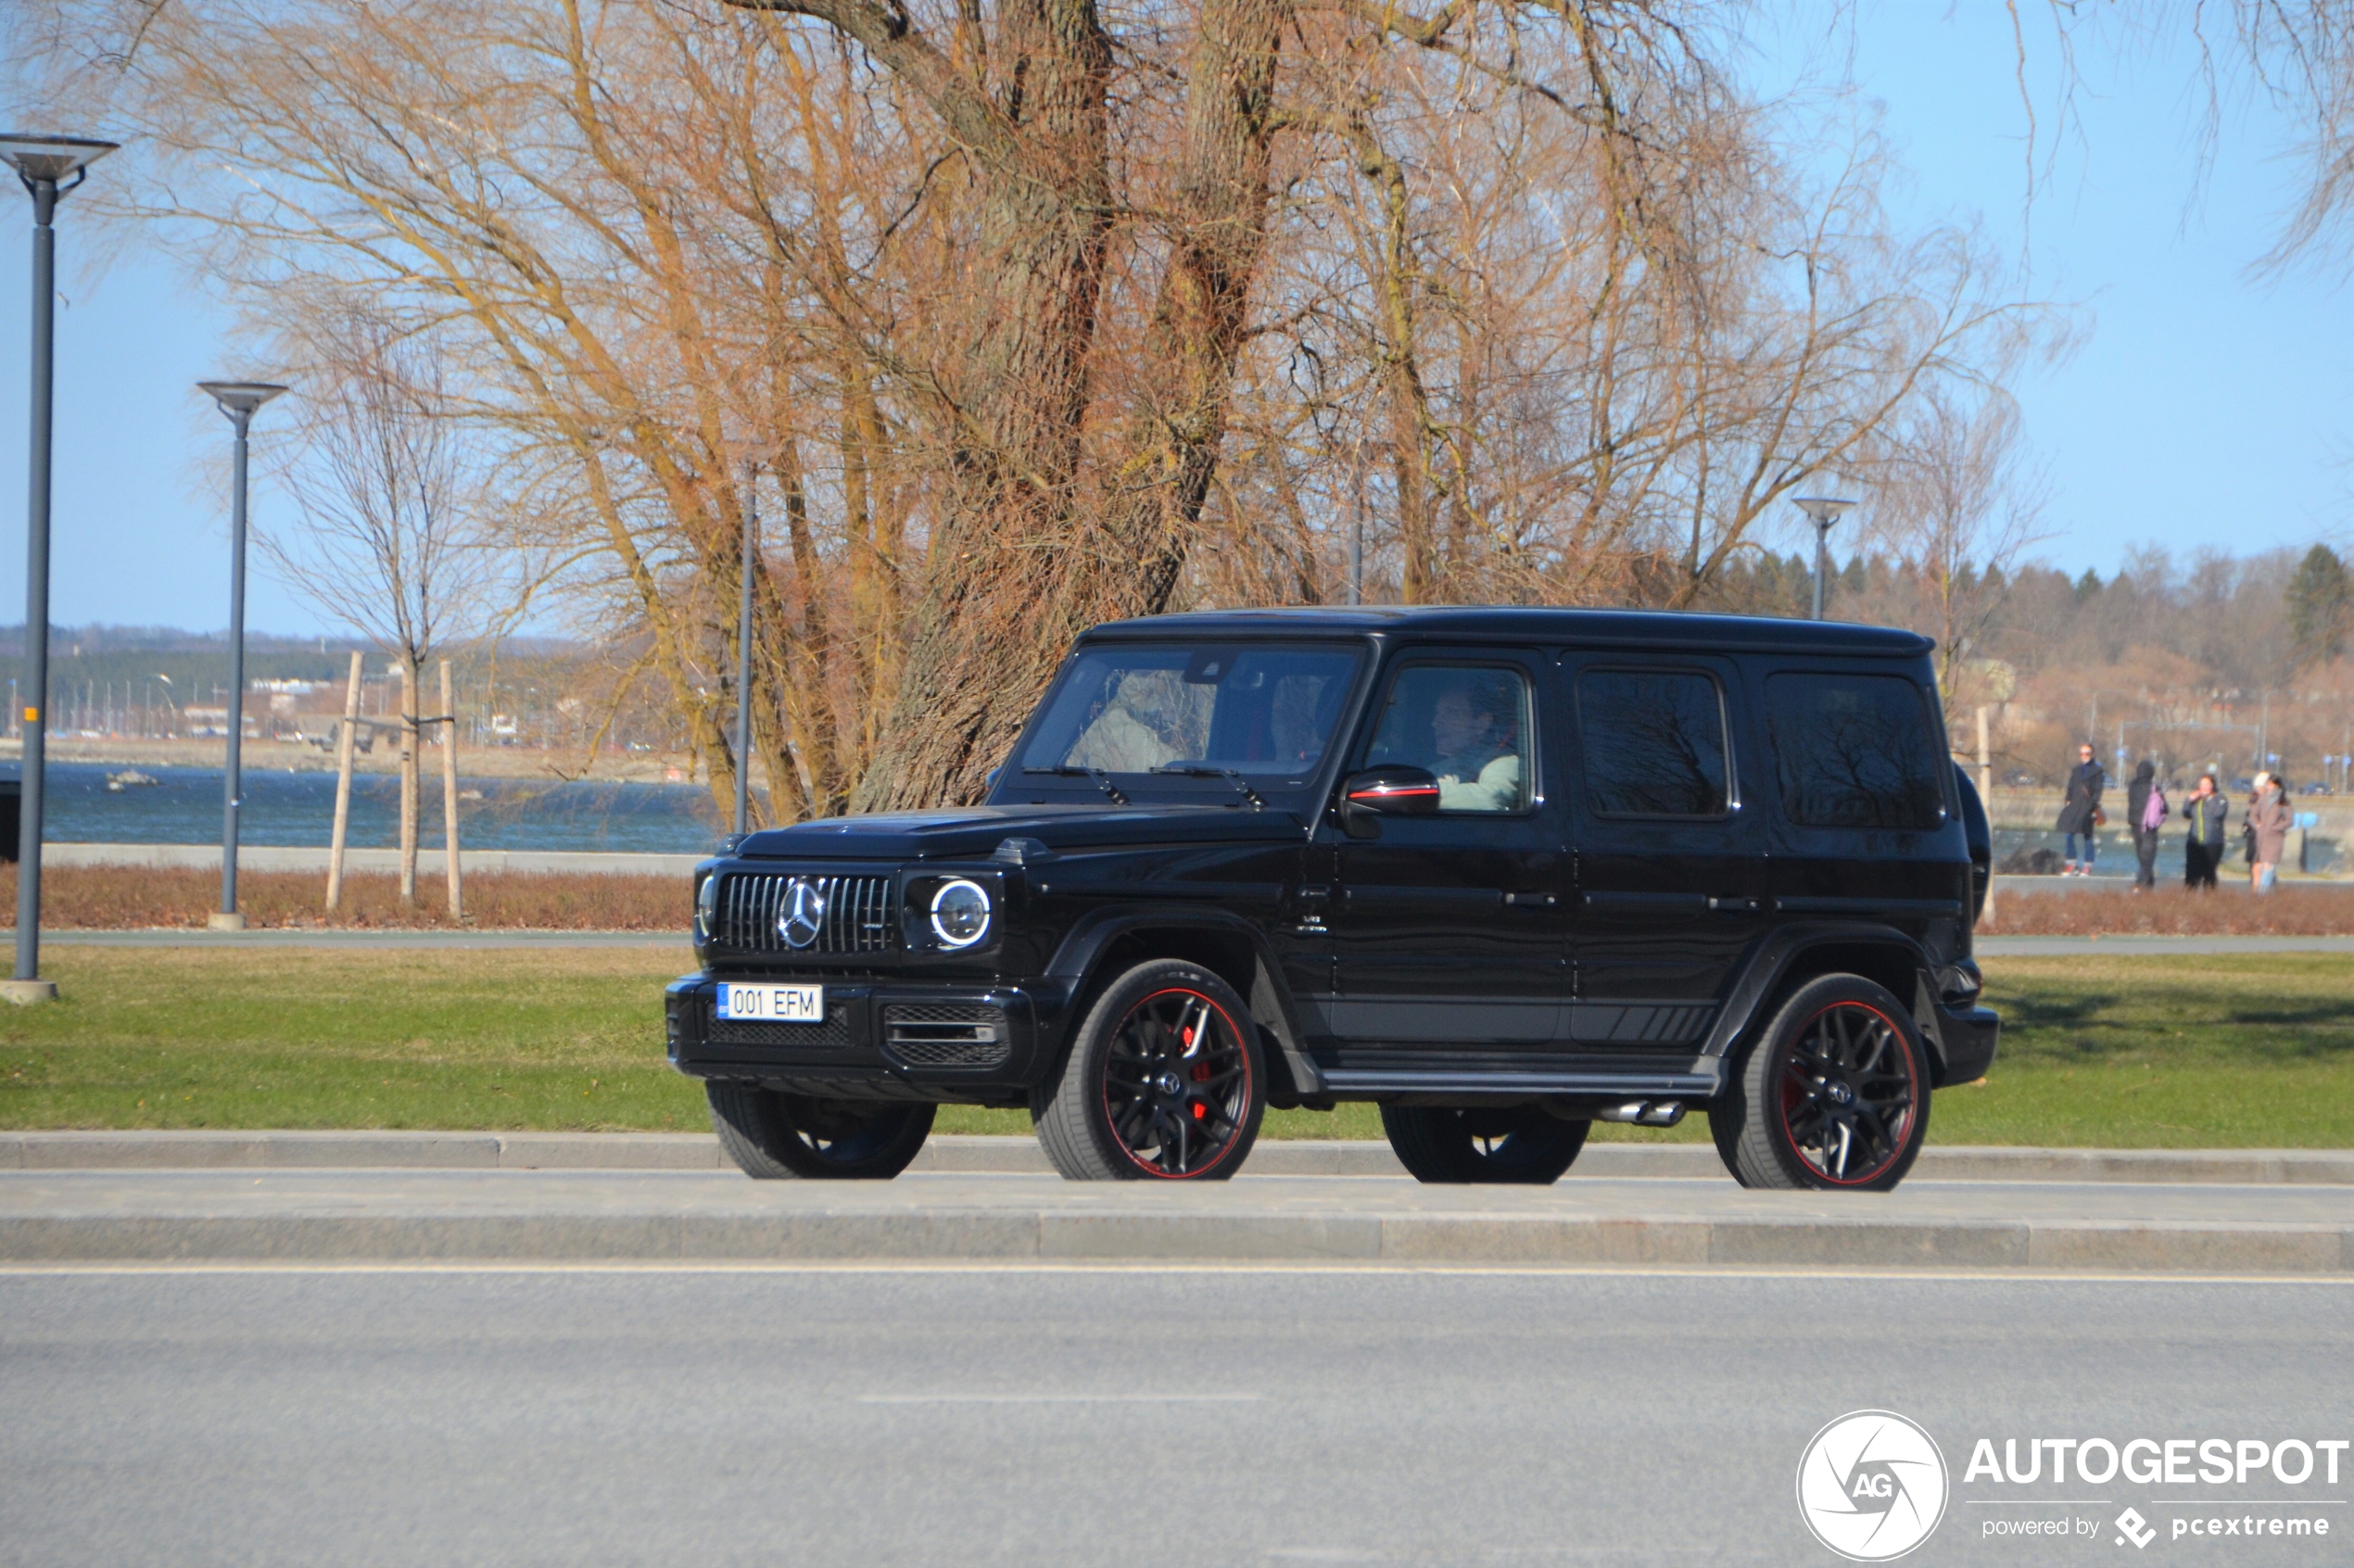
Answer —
1103 779
1202 770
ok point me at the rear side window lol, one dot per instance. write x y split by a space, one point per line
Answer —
1654 743
1855 752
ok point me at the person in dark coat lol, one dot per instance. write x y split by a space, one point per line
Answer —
2203 852
2144 814
2080 811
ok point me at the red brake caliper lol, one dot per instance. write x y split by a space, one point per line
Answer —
1200 1073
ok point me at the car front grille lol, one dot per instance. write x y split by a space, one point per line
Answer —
861 915
946 1034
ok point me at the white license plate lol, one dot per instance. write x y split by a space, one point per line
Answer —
774 1004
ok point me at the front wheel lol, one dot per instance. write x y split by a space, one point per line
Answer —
1834 1098
1522 1144
772 1135
1165 1080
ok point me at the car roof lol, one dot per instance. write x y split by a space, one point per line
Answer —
1481 623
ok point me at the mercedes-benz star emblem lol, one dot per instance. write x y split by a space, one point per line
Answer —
803 915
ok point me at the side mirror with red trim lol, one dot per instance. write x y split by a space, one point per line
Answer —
1392 790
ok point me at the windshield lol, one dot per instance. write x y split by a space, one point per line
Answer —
1268 712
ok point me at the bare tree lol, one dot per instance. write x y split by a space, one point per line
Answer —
1958 502
1007 298
389 541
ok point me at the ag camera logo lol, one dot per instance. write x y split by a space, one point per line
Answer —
1872 1485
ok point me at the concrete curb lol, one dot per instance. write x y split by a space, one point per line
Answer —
694 1151
951 1235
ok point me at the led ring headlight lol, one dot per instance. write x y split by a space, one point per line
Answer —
961 913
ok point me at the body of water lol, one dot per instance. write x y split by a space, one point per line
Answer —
183 807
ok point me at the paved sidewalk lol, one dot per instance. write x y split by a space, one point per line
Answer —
311 1217
967 1155
361 941
2066 946
313 858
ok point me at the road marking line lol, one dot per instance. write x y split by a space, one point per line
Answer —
952 1266
1058 1398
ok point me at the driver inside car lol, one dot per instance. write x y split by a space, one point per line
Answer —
1472 727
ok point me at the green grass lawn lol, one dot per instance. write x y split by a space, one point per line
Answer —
2130 1052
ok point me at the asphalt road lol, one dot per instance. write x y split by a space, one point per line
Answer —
1139 1417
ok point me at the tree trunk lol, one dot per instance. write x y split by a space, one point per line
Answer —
990 621
1178 422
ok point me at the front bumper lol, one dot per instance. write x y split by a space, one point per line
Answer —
1966 1039
882 1039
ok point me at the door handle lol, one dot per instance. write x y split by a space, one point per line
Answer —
1734 906
1532 900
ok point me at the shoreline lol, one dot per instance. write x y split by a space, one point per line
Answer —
299 756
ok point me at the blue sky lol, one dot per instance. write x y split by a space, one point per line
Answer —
2205 407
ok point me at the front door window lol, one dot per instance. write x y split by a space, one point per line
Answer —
1467 724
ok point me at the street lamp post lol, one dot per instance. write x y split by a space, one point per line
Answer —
238 400
1822 510
743 655
49 166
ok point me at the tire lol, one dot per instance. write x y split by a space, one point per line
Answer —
1832 1097
772 1136
1521 1143
1165 1082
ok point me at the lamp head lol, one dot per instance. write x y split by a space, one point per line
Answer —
240 396
51 159
1824 510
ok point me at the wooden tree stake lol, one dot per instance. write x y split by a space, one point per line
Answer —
450 793
344 739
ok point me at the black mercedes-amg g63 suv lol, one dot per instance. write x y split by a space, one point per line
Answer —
1501 872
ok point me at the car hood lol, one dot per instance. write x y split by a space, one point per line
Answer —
976 831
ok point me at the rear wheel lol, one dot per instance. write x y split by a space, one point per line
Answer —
1521 1143
1165 1080
772 1135
1834 1098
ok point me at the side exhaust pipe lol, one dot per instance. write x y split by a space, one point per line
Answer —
1644 1113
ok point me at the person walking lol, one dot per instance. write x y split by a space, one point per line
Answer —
2080 812
2203 852
2267 819
2146 811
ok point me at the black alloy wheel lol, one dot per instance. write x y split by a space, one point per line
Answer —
1517 1144
1165 1080
772 1135
1834 1098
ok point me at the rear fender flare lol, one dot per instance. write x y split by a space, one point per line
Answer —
1787 951
1080 960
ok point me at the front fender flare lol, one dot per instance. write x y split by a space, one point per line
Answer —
1081 953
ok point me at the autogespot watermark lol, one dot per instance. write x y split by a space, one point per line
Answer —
1872 1485
2292 1473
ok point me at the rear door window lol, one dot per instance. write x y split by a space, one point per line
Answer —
1855 752
1652 743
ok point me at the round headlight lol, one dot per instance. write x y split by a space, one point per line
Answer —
707 907
961 913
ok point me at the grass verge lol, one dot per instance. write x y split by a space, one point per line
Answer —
2123 1053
